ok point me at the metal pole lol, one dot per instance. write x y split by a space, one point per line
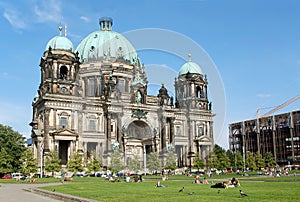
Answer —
42 151
244 142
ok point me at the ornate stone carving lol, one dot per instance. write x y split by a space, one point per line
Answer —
139 114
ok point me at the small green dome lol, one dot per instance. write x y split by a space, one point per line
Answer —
106 44
190 67
60 43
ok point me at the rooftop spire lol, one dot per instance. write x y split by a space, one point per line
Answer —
105 23
189 57
60 29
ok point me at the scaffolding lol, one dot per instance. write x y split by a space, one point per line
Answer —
278 134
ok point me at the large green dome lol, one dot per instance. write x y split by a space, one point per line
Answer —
60 43
106 45
190 67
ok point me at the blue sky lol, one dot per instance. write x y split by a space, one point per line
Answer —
254 45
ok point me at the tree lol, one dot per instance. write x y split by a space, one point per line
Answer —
269 160
224 161
239 160
260 163
116 163
170 161
75 163
52 162
5 166
218 150
12 146
153 163
28 162
221 160
213 161
93 165
135 164
231 158
198 162
250 161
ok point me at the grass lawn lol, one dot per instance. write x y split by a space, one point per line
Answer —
259 189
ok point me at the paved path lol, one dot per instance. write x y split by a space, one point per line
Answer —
16 193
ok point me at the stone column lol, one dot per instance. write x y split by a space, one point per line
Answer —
54 118
80 146
108 132
40 152
46 130
208 129
119 132
192 89
163 133
72 120
172 135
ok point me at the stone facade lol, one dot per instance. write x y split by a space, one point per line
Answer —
100 103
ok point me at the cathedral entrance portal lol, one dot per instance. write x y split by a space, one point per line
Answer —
139 141
139 130
63 151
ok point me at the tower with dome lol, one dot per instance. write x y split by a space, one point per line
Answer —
94 97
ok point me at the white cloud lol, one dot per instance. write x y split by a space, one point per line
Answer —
49 10
13 16
262 95
85 19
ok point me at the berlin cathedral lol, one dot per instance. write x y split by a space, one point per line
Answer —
94 99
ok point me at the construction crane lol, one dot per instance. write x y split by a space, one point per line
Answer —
274 110
290 101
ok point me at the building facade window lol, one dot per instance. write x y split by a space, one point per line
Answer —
92 87
92 125
200 131
91 148
121 85
178 131
63 72
63 122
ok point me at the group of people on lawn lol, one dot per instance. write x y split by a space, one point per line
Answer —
198 181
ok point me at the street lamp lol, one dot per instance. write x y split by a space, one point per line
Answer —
42 152
145 161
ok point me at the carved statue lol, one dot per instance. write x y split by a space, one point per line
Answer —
138 97
116 146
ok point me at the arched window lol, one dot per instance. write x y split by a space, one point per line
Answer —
199 93
63 72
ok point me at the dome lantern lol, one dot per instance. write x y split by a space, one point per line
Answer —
105 23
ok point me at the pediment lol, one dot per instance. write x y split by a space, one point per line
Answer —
65 57
65 132
203 139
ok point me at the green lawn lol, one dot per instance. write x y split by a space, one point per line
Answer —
272 189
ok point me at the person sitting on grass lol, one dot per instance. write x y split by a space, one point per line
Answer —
196 181
235 182
158 185
205 181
